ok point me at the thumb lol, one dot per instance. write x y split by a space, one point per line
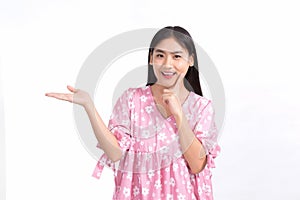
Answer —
72 89
179 80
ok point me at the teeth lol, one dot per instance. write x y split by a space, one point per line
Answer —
168 73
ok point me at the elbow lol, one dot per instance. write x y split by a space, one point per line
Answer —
116 156
196 170
115 159
199 167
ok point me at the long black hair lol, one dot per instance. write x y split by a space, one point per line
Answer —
182 36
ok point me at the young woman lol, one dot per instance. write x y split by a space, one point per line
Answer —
161 139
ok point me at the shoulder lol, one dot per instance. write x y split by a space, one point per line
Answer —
135 92
199 102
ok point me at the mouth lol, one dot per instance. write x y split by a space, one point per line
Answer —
168 75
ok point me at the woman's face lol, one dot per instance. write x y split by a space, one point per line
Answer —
169 59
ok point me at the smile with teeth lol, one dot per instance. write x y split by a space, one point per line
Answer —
168 73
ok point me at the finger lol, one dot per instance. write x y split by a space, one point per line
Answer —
178 81
52 94
61 96
72 89
55 95
167 91
165 98
168 97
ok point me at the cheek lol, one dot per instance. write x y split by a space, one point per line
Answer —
182 67
155 70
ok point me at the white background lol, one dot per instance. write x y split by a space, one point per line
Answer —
254 45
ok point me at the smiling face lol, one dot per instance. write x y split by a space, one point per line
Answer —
169 59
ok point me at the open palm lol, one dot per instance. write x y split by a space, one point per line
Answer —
76 96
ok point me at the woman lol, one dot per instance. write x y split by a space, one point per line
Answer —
161 139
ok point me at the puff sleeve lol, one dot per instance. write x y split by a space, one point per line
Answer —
119 122
206 131
120 126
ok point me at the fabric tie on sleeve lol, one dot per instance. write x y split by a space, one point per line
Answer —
212 155
100 166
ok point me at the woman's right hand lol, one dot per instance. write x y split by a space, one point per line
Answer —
77 96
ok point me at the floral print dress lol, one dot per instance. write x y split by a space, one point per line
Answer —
153 166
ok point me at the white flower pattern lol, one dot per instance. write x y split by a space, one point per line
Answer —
145 191
134 113
157 184
126 191
136 191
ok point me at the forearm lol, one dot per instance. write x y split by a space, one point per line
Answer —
192 149
107 141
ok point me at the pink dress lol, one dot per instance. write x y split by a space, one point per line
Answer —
152 166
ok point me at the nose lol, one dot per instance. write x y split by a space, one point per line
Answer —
168 61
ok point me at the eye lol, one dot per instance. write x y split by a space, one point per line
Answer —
159 55
177 56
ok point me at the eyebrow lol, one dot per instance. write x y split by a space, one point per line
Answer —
162 51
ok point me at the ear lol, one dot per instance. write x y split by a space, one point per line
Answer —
191 60
151 59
